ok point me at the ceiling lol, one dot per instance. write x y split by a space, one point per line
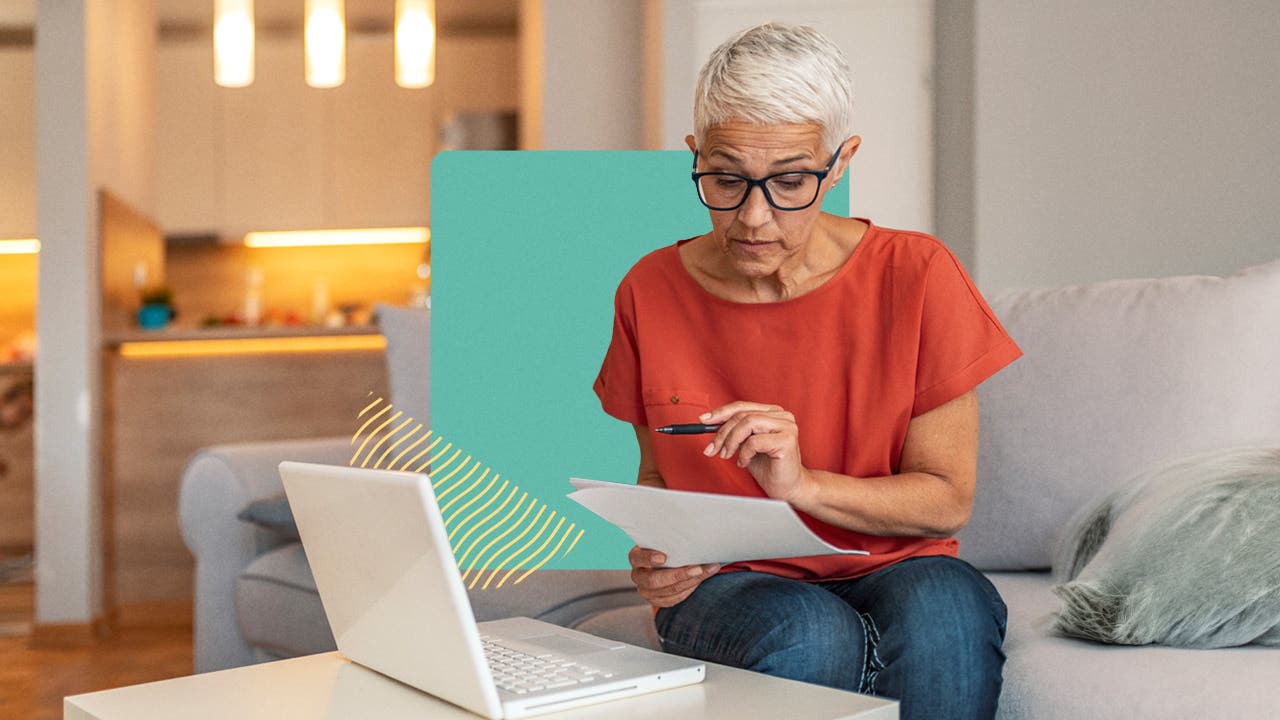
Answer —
452 16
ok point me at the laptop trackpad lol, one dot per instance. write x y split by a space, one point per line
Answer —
569 646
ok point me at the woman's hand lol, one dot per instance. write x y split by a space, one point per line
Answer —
663 586
766 441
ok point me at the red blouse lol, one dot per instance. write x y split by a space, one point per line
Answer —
898 331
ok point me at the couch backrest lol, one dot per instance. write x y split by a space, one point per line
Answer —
408 333
1116 377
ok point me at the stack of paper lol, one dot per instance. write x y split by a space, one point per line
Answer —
693 528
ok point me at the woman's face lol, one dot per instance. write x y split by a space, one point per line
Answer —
757 238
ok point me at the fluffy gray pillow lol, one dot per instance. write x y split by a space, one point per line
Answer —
1187 554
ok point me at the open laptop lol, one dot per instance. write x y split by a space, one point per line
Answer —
385 571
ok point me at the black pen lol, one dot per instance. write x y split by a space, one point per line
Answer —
687 429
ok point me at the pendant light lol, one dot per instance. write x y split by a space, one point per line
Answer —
415 43
233 42
326 40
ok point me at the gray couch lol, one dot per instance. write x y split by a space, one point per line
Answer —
1117 377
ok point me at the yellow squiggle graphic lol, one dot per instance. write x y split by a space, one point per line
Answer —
455 527
485 549
407 436
498 565
490 527
465 501
382 441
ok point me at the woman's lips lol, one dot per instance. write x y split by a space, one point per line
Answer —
754 247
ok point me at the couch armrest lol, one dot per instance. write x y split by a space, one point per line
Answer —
217 484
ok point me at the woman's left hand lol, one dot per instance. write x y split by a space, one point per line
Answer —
766 441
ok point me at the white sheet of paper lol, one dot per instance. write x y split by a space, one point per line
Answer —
693 527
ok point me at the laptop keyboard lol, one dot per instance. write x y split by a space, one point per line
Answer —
520 672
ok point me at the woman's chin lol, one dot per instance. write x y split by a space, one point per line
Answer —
755 260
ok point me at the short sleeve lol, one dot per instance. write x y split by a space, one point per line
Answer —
618 384
961 341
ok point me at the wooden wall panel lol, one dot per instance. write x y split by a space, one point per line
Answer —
17 473
129 240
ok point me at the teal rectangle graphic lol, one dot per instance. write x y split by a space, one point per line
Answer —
527 250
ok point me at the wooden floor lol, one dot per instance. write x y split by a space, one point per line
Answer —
34 681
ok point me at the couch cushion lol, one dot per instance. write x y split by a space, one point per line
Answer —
1117 376
277 605
1048 677
629 624
273 515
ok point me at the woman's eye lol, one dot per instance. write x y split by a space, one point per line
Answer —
726 181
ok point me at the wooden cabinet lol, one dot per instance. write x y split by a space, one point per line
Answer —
279 155
380 144
164 409
18 138
17 466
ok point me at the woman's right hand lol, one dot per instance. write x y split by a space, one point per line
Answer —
664 586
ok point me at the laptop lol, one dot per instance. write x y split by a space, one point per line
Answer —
391 590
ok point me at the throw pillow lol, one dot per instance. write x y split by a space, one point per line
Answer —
272 514
1185 555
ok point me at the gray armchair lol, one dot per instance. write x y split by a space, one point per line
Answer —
255 599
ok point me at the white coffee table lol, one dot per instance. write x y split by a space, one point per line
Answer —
331 687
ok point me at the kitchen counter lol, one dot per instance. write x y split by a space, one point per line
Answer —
178 333
167 393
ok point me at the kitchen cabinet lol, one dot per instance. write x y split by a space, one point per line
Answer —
279 155
18 130
161 410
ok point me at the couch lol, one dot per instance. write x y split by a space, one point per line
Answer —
1117 376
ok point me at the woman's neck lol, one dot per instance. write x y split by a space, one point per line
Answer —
824 253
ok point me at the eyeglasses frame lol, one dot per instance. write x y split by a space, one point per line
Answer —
760 183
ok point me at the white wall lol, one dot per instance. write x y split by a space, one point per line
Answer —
1118 139
68 511
93 115
595 66
591 74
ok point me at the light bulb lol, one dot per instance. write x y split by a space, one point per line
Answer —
415 43
326 38
233 42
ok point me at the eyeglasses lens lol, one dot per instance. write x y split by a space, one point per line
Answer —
788 191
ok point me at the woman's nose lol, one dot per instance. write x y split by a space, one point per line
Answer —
755 209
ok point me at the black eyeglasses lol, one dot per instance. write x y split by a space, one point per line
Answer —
794 190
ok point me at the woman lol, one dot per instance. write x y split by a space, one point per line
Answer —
839 360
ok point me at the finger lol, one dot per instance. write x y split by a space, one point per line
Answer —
666 581
751 425
732 432
722 413
773 445
686 585
646 557
667 601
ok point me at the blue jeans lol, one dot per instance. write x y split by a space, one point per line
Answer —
925 631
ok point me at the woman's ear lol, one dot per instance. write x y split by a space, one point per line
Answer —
847 149
691 142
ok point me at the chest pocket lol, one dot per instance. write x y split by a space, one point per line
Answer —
668 406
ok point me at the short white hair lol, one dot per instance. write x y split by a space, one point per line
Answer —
776 73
